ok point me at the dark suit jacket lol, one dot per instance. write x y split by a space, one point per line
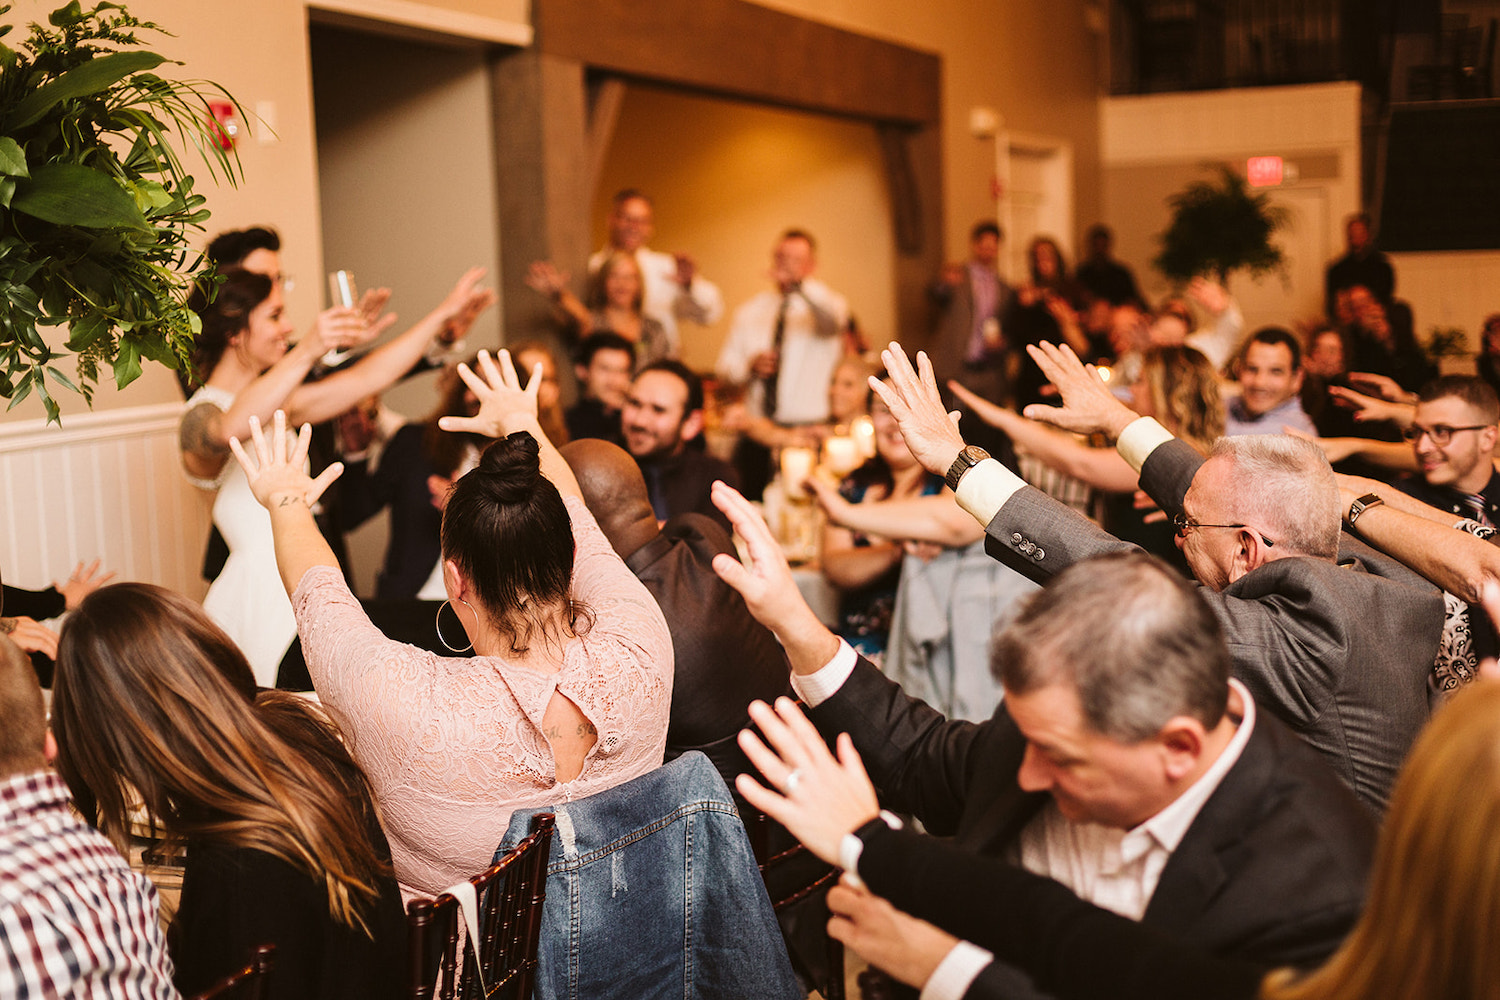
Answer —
1272 869
725 659
1340 653
681 483
1073 948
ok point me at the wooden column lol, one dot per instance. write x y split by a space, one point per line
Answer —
542 176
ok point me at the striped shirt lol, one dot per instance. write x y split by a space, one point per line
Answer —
75 921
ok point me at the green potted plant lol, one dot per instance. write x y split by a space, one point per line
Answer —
1219 228
95 204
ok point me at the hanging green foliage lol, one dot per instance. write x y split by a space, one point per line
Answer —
1219 228
95 205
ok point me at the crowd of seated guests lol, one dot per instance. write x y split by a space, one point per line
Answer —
1252 707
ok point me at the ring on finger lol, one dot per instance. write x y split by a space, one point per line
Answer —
793 779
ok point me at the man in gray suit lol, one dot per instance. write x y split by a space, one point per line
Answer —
1334 639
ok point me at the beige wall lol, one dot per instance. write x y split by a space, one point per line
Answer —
406 175
1152 146
727 177
1454 288
1038 65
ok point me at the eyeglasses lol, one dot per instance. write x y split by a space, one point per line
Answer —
1184 524
1441 434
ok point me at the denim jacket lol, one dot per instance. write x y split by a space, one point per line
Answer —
652 891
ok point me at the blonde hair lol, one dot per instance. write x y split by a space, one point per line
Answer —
1185 394
152 700
1428 928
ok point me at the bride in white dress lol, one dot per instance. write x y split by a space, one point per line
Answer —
249 372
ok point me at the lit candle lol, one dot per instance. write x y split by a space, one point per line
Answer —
863 430
796 464
841 455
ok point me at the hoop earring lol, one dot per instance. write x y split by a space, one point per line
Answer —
437 624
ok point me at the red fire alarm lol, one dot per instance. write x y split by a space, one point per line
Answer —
1264 171
227 123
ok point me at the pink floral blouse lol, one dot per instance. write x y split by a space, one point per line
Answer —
453 746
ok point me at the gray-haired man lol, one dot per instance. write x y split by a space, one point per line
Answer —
1334 639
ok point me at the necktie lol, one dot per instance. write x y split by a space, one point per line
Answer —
769 383
1476 503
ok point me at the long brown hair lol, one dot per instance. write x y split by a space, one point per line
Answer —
1428 927
1185 394
151 700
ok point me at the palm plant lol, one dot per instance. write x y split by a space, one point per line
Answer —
1220 228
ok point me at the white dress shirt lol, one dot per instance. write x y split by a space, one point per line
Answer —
811 346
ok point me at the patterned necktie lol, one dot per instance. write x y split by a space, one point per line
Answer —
1477 504
769 383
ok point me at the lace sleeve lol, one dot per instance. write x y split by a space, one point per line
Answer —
356 670
602 580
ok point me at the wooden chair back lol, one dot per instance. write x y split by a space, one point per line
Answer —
813 877
253 982
510 894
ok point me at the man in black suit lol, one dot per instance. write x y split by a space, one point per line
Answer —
724 658
1334 639
1123 762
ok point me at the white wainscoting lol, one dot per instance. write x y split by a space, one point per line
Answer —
104 485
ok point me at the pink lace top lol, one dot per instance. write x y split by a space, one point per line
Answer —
453 746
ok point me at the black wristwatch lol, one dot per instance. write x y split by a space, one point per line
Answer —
971 456
1361 505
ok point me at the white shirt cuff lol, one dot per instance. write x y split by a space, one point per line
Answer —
851 848
1137 441
956 972
817 687
984 489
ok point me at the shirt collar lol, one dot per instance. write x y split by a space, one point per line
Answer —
1168 827
29 792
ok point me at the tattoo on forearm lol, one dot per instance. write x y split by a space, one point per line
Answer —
8 625
290 501
194 435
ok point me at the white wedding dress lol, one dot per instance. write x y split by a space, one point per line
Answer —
247 600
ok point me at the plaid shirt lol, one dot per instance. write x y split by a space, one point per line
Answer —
75 921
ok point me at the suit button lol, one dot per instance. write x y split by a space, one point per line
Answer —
1015 537
1039 554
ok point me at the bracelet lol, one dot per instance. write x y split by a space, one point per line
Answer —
1361 505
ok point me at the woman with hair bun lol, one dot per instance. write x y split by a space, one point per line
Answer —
569 690
153 703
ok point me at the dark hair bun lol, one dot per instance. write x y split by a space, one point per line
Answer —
510 468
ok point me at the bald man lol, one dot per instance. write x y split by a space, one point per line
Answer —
725 659
75 921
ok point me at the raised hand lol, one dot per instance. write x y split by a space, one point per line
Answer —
766 584
505 406
931 432
544 278
1367 408
277 471
1088 405
83 582
821 798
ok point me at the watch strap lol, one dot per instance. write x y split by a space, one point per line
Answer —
971 456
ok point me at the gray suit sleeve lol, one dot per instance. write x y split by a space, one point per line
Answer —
1039 537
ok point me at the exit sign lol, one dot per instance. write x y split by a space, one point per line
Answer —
1264 171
